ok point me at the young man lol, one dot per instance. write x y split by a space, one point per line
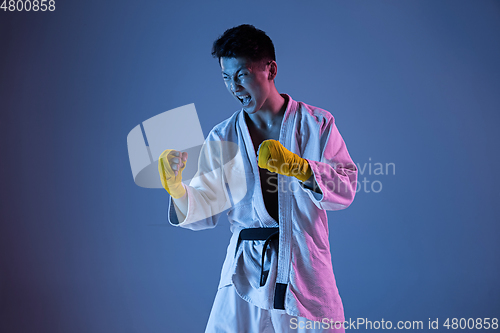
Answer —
290 165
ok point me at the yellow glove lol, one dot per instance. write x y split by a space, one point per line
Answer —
274 157
170 165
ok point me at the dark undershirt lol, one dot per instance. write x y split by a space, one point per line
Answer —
268 179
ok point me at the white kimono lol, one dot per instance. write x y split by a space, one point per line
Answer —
300 269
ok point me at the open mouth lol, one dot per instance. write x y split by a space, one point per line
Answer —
245 99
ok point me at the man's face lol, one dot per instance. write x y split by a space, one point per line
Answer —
249 82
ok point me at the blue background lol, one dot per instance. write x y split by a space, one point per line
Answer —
414 83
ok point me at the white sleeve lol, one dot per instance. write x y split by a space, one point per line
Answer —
207 192
335 173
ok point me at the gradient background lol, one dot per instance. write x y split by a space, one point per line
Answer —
415 83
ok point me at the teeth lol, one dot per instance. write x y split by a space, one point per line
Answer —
244 99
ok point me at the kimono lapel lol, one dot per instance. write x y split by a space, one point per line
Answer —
257 198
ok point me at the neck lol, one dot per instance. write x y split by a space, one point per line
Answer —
271 113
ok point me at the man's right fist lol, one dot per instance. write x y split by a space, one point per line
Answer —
170 165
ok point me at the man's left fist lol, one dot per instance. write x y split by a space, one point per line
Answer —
273 156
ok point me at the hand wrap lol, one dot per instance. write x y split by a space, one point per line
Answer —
171 182
274 157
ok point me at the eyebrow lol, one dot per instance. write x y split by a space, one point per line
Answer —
238 70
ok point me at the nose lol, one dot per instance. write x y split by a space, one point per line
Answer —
233 85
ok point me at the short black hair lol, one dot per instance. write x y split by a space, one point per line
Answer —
244 41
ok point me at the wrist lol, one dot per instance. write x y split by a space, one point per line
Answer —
304 173
176 190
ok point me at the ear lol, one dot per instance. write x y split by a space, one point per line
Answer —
273 70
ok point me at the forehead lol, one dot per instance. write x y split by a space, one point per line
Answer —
232 65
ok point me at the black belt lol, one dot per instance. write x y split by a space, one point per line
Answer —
265 234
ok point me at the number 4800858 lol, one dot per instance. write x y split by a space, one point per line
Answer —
28 5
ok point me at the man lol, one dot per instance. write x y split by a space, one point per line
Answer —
293 165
